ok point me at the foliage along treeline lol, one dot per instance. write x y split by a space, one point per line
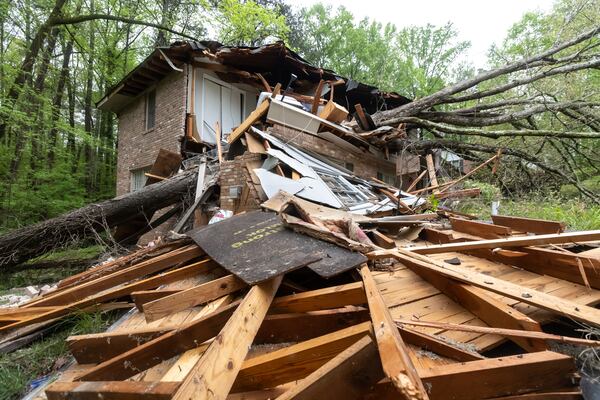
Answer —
57 57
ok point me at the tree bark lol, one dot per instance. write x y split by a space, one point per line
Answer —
32 241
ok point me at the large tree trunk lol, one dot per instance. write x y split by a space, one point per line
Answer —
32 241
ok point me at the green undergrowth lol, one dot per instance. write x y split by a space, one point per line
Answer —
578 213
19 368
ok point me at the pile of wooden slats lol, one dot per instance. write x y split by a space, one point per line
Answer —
413 322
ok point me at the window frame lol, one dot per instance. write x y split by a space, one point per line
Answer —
151 92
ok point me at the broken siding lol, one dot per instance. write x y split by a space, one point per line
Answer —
138 147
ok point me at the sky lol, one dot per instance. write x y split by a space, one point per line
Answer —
482 22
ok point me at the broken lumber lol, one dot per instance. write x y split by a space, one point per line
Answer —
531 225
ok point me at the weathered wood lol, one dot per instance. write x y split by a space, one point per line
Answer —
296 361
161 348
214 374
346 376
320 299
191 297
477 228
431 170
431 343
382 240
532 225
516 241
116 390
34 240
145 296
395 360
530 296
248 122
503 332
136 271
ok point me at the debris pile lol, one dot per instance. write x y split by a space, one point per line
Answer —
286 275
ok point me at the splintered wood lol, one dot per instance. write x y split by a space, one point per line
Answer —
263 324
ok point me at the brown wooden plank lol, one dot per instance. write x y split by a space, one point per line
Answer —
382 240
516 241
188 298
431 170
531 225
145 296
395 360
116 390
505 288
346 376
248 122
162 348
320 299
296 361
431 343
214 374
477 228
136 271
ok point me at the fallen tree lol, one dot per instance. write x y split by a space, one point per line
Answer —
32 241
516 108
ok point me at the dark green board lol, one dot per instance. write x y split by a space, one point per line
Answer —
256 246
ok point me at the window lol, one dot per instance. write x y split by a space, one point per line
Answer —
150 109
389 179
344 190
137 179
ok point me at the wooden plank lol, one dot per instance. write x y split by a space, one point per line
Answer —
214 374
531 225
431 170
526 295
382 240
248 122
455 194
99 347
145 296
121 291
346 376
503 332
296 361
500 376
477 228
516 241
320 299
431 343
468 174
395 360
116 390
161 348
192 297
136 271
416 181
491 311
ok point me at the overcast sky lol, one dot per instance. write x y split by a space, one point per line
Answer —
482 22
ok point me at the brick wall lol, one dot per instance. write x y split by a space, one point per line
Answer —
233 173
364 167
138 148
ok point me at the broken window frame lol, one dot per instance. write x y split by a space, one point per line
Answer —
345 191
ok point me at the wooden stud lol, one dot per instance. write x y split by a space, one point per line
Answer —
532 225
115 390
296 361
438 346
516 241
214 374
320 299
431 170
248 122
218 140
145 296
192 297
416 181
317 97
481 229
395 360
346 376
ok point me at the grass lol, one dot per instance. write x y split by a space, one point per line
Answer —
577 213
19 368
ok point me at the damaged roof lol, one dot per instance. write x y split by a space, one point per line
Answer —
240 64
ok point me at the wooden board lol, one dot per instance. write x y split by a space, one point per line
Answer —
248 122
259 239
487 231
531 225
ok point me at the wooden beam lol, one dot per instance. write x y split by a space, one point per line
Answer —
145 296
416 181
296 361
136 271
116 390
468 174
498 377
346 376
382 240
458 194
431 170
99 347
516 241
317 97
531 225
162 348
395 360
503 332
120 291
477 228
438 346
214 374
218 140
320 299
361 116
192 297
248 122
539 299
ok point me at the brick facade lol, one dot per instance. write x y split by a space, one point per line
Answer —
233 173
138 148
363 166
